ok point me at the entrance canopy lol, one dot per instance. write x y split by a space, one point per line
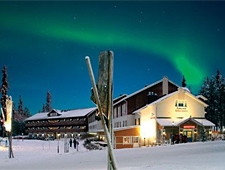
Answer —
178 122
205 122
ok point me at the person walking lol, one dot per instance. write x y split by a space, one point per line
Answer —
77 145
71 142
74 143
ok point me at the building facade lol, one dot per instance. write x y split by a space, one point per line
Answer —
173 116
59 123
154 114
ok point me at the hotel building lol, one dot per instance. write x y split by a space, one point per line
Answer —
154 114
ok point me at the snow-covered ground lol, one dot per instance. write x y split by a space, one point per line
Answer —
35 154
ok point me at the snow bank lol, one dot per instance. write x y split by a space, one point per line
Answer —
34 154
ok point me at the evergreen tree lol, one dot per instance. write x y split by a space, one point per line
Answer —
19 118
26 112
4 90
184 82
219 98
203 134
49 100
14 111
214 90
20 106
44 108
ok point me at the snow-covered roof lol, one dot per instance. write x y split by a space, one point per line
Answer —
62 114
144 89
178 122
169 122
205 122
121 128
202 97
187 89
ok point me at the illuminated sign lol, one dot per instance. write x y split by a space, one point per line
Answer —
181 106
189 127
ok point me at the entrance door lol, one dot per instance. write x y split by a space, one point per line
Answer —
189 134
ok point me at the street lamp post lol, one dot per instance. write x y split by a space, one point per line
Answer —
58 145
173 133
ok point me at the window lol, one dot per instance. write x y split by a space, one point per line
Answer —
119 111
124 109
135 139
126 140
181 104
137 121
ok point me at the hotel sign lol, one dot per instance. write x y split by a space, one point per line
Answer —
181 110
189 127
181 106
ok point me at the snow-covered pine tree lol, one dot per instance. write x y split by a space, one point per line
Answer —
20 106
43 108
219 98
4 90
203 134
14 110
26 112
223 102
208 90
184 82
19 117
49 100
214 90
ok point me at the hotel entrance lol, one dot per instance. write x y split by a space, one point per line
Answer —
189 133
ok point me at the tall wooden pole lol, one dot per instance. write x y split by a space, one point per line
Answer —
108 137
110 104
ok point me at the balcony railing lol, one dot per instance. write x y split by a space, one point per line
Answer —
59 123
54 130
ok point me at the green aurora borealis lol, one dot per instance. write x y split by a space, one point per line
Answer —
182 38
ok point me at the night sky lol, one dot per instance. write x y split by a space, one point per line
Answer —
44 44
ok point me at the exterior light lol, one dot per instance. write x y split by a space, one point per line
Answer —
8 122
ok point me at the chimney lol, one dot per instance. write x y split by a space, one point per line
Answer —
165 89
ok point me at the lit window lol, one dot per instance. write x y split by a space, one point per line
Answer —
135 139
126 140
181 104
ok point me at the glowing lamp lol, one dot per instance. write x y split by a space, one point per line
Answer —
8 122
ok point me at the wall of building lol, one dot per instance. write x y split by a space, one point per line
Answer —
127 138
167 108
148 125
141 99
